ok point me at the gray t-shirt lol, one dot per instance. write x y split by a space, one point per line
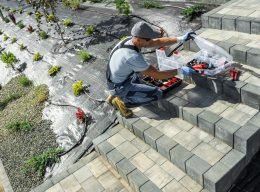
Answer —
125 61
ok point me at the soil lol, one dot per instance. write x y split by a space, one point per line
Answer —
17 147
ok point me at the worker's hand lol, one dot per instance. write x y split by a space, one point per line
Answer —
185 37
187 71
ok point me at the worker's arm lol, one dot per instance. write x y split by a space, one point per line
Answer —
159 42
153 72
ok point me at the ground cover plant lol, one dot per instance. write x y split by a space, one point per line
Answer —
51 18
13 40
73 4
54 70
67 22
20 25
22 47
8 58
77 88
90 30
84 55
42 93
23 134
149 4
37 56
43 35
6 37
1 32
193 11
24 81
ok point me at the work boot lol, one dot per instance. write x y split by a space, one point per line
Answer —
120 105
110 99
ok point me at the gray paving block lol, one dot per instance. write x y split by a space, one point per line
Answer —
250 95
196 167
215 84
164 145
148 187
139 127
125 167
236 161
253 57
255 26
114 157
44 186
151 135
246 140
57 178
232 89
243 24
225 130
179 156
239 53
207 121
137 179
176 106
229 22
114 130
120 118
205 20
193 46
217 178
130 121
99 140
186 45
76 166
226 45
190 113
104 148
255 120
215 21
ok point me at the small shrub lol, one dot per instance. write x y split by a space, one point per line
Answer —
8 58
22 47
6 37
73 4
90 30
1 32
122 6
28 13
19 126
6 20
39 163
13 40
38 15
84 55
8 100
20 10
54 70
149 4
43 35
20 25
42 93
24 81
51 18
67 22
77 87
37 56
7 9
122 38
193 11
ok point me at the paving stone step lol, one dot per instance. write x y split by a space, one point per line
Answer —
141 165
236 15
90 173
206 159
245 48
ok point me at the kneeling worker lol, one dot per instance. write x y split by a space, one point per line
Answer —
126 61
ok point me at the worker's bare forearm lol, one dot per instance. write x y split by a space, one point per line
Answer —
161 42
153 72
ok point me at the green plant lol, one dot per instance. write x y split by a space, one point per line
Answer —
8 100
90 30
22 47
38 164
51 18
8 58
67 22
42 93
37 56
84 55
95 1
24 81
54 70
20 10
122 38
193 11
1 32
122 6
73 4
13 40
23 125
29 13
77 87
6 37
20 25
43 35
6 20
149 4
38 15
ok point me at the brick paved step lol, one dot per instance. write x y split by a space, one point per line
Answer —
91 173
245 48
236 15
193 150
141 165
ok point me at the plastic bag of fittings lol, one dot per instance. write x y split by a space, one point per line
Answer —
211 59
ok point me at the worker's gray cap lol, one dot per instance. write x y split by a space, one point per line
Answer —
145 30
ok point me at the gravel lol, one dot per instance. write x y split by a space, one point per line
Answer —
16 147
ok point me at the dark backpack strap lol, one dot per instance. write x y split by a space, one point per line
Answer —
121 45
